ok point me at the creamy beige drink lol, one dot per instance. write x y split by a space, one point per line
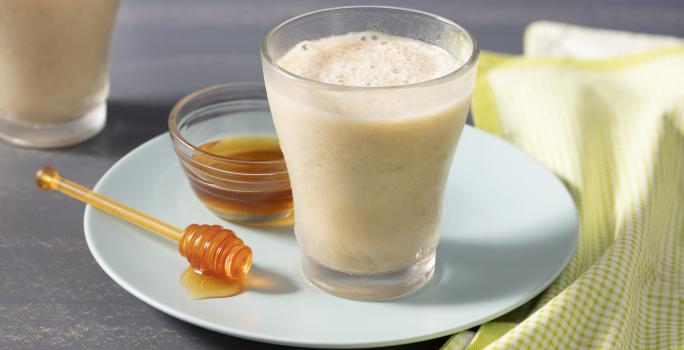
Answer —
368 170
368 103
53 58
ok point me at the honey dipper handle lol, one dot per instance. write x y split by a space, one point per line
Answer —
48 178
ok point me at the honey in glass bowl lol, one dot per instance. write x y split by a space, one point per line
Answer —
227 145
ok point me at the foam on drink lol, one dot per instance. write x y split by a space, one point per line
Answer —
368 59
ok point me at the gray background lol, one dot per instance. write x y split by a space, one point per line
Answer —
53 293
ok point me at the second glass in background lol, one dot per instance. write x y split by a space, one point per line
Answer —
54 70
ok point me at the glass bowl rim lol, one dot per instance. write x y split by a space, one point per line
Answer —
174 118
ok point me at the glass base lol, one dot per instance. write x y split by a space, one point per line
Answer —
54 135
370 286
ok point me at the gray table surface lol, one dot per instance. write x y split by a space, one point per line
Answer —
53 293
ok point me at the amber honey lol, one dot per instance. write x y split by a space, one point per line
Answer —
201 286
242 178
248 148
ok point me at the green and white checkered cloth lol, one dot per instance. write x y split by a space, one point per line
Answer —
613 131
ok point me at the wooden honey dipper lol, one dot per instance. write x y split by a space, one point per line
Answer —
210 249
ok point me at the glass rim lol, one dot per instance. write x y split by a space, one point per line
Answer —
175 116
468 65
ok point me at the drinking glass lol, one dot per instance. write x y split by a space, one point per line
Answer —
53 70
368 165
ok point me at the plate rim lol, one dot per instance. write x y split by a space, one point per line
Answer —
258 337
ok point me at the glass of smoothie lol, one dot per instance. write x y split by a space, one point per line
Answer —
53 70
368 103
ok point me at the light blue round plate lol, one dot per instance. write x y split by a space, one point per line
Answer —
509 229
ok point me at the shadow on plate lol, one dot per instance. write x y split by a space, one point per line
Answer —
468 272
264 281
283 226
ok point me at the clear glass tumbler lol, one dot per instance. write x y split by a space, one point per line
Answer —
368 165
53 70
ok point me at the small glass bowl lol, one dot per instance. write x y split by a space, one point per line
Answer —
242 190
